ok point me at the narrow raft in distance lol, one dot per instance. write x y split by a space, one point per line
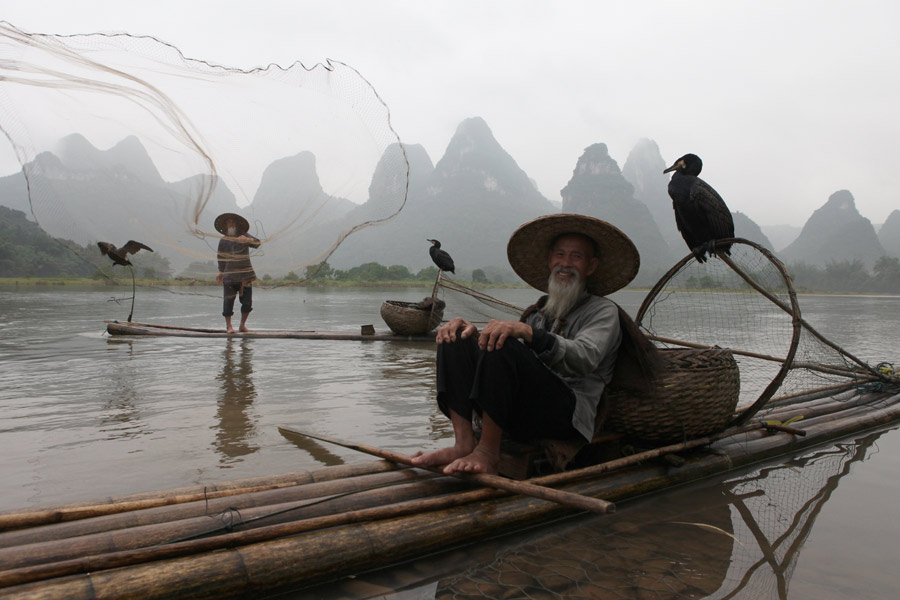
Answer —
120 328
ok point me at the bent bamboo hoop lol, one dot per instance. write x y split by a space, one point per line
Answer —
793 310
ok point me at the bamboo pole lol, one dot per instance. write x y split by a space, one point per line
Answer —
30 517
495 481
303 560
201 508
148 536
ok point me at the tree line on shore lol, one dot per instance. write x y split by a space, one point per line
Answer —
27 251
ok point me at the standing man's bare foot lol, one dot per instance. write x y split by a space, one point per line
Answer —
478 461
244 329
440 457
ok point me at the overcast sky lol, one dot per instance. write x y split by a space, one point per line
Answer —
785 102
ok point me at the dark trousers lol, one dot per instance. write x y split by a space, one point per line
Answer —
522 396
246 297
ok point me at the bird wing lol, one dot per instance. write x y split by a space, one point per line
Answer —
718 221
132 247
105 247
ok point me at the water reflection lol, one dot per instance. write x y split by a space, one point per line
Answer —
121 418
736 539
234 412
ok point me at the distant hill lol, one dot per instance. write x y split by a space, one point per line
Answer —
889 234
836 232
27 251
643 169
87 195
598 189
745 227
781 235
471 200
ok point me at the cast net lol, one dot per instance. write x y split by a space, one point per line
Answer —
121 137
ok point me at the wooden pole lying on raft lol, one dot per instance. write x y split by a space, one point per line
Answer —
16 519
184 530
495 481
303 560
227 505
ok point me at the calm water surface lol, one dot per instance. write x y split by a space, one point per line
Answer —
83 415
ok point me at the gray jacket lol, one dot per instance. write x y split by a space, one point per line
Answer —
583 354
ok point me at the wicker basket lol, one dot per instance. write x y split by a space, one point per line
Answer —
407 318
696 397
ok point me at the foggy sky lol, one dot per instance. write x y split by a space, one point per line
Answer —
786 102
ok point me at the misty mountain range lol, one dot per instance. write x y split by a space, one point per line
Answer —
472 199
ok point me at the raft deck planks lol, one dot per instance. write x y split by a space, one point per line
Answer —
310 550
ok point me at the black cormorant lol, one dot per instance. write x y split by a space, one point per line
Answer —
700 213
440 257
119 256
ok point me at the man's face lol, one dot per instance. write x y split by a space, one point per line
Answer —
572 259
231 227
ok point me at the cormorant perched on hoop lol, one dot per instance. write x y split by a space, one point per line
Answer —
440 257
119 256
700 213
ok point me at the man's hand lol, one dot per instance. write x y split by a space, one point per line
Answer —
495 334
449 331
219 277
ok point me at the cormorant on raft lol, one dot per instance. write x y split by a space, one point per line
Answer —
700 213
440 257
119 256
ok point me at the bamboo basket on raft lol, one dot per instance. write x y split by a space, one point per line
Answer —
412 318
695 396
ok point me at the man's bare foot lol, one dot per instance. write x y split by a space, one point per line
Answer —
439 457
244 330
230 330
479 461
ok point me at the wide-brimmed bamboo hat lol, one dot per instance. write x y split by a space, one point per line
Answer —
528 251
242 225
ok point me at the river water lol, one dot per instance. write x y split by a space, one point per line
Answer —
84 415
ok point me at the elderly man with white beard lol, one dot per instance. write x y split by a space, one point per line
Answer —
541 377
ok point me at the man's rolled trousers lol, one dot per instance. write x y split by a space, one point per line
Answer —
548 388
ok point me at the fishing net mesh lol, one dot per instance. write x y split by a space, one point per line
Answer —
118 137
746 302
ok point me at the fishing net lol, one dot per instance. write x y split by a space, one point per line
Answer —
121 137
477 306
746 302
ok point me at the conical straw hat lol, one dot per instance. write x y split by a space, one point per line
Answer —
242 225
528 251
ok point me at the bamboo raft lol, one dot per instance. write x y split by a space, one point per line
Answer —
259 536
365 334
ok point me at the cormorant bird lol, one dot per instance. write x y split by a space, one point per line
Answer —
700 213
119 256
440 257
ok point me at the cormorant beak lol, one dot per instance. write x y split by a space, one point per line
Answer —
680 163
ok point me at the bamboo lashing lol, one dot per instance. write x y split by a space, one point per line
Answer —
495 481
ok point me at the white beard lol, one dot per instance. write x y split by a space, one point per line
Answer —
232 231
562 296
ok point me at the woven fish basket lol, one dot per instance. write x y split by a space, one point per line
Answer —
696 396
406 318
